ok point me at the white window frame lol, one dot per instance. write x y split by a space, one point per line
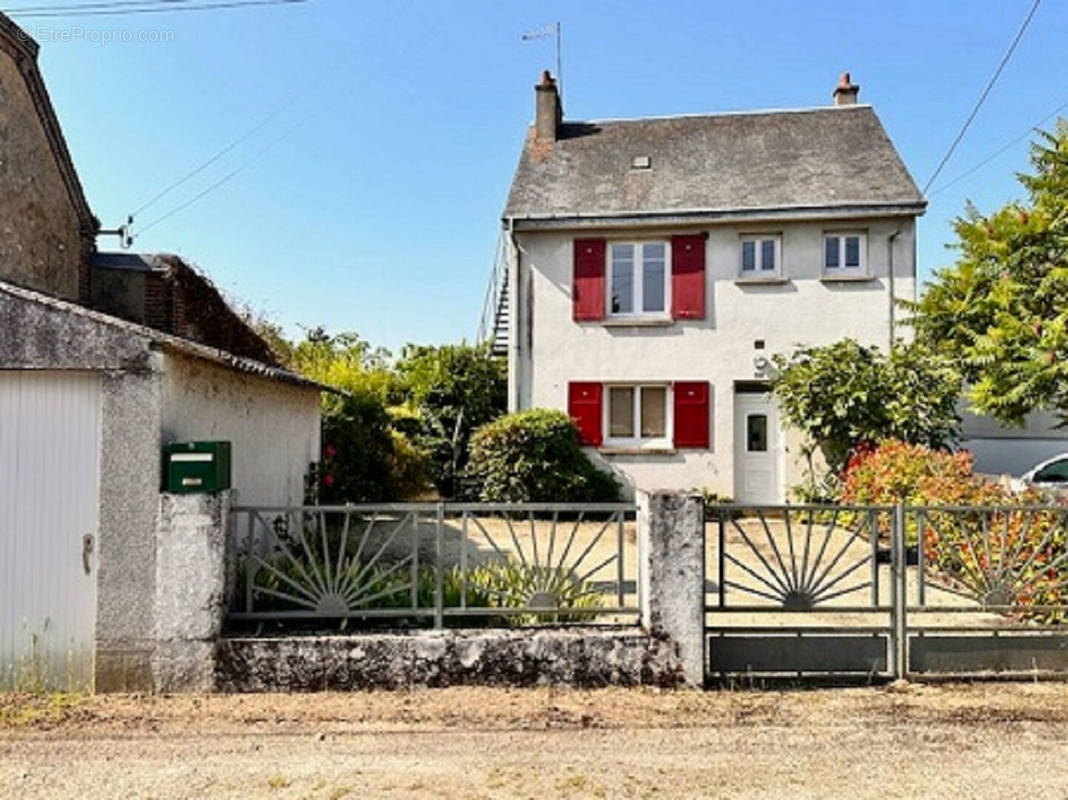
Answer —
637 441
759 272
842 270
638 300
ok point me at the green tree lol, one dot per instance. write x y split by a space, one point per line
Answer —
846 393
451 390
345 361
1001 310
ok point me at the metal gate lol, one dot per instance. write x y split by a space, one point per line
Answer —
49 496
886 591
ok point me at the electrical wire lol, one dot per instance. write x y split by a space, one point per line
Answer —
1000 150
982 97
97 5
251 131
287 132
160 7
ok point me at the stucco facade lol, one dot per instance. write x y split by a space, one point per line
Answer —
273 427
745 321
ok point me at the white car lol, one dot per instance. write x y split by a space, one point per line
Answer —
1050 474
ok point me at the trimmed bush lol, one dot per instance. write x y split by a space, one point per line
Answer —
535 456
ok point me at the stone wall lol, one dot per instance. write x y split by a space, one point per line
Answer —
44 239
186 581
586 657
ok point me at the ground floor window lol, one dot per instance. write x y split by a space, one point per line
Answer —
638 414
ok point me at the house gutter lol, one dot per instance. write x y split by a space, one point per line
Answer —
589 219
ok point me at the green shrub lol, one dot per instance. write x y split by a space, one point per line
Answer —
364 460
533 456
450 391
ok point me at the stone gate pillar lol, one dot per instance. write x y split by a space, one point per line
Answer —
671 552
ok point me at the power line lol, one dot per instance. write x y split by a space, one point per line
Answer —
297 124
97 5
207 163
226 178
1000 150
250 132
982 97
148 7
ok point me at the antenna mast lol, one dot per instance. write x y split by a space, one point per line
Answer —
552 29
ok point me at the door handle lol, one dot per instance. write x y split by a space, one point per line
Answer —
87 552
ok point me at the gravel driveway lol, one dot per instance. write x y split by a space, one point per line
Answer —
984 740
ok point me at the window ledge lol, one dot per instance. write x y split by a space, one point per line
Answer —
634 322
761 279
846 278
621 450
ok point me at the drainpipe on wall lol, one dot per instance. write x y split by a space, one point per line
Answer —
893 297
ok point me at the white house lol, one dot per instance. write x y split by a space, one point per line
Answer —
656 264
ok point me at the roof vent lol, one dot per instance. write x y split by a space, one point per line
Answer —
641 162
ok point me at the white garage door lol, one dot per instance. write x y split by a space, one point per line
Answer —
49 478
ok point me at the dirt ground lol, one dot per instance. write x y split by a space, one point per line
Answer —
960 741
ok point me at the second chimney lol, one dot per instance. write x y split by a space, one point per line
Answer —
547 111
845 94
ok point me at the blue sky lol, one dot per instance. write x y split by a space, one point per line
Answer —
396 126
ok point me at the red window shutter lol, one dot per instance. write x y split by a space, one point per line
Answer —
688 276
691 414
584 406
587 288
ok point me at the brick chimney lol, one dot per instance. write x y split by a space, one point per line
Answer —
845 93
547 112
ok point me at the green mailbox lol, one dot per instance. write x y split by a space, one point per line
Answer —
191 467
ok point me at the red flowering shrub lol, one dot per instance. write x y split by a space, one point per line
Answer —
978 537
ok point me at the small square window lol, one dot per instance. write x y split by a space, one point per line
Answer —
843 253
760 256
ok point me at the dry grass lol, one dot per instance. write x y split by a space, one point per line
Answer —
978 740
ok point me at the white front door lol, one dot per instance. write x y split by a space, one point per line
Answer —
757 450
49 496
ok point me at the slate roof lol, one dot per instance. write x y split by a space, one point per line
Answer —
830 158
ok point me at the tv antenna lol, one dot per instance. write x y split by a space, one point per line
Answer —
544 32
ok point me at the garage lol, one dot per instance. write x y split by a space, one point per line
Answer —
49 500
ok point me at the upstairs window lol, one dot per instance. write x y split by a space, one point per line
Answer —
761 256
637 279
844 253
